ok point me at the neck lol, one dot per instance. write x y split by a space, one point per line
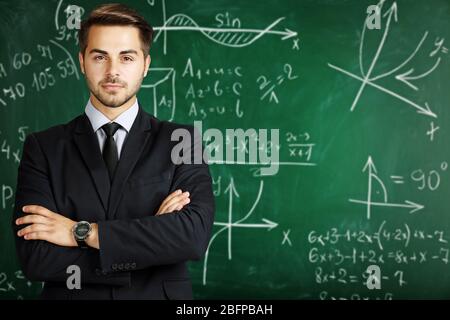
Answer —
112 113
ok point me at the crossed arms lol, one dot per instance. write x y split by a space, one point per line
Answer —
178 232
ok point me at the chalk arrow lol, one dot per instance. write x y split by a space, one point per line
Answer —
369 165
289 34
408 204
405 77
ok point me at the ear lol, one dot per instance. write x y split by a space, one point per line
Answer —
81 59
147 63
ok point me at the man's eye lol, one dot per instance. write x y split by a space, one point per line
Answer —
127 59
99 58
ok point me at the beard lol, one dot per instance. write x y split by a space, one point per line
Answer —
113 99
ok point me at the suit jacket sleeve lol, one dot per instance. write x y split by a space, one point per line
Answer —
41 260
165 239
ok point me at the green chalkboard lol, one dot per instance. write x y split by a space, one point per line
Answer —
363 119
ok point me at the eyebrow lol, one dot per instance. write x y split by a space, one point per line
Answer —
130 51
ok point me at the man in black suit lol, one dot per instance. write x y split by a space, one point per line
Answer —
104 192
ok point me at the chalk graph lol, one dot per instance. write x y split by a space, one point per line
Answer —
230 224
229 37
368 79
369 202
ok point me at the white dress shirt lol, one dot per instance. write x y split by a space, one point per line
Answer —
98 119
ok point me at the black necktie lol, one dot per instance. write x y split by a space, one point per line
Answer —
110 154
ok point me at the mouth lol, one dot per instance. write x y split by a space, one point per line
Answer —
112 86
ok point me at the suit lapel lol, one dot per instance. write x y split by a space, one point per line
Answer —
87 143
138 137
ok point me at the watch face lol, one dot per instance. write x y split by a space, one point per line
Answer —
82 229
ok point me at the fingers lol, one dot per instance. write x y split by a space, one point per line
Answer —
178 205
39 220
43 224
32 218
40 235
170 197
34 228
175 201
174 204
37 210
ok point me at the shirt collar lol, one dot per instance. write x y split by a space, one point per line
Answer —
98 119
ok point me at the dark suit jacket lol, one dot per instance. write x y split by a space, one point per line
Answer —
141 256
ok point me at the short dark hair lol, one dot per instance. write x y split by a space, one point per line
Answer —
116 14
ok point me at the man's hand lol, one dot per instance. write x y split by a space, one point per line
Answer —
174 201
46 225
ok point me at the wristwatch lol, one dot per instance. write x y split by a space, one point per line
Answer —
81 231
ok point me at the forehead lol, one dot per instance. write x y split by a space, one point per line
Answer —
114 38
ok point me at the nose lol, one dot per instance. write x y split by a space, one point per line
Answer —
113 68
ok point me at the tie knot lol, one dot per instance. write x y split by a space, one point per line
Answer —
110 128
